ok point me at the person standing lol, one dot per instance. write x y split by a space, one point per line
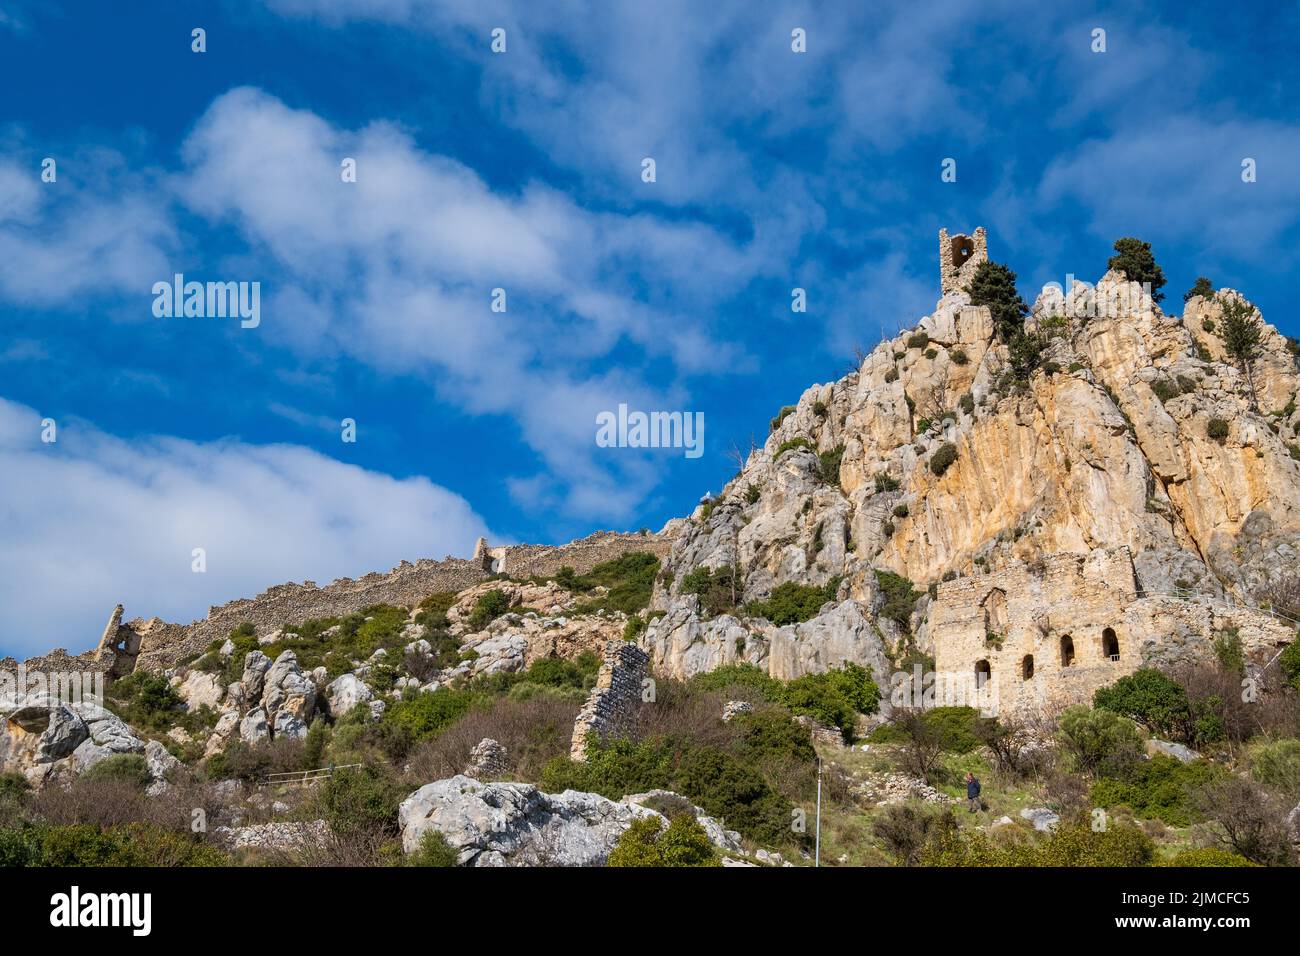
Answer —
972 793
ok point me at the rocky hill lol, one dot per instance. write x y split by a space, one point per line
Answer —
1024 516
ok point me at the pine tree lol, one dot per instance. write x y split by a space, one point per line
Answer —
994 285
1133 258
1242 336
1202 287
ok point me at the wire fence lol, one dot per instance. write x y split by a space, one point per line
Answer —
303 776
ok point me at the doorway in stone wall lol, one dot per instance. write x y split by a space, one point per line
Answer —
1109 645
1027 667
1067 650
983 672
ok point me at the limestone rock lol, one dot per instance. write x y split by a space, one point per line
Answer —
346 692
488 758
200 689
1042 818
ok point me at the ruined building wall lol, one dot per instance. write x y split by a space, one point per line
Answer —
615 697
1071 600
1081 621
163 645
954 276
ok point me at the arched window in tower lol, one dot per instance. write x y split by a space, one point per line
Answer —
995 612
982 673
1109 644
1027 667
1067 650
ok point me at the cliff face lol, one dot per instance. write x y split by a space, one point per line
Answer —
1107 447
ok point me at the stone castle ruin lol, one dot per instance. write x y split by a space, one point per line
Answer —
959 257
1040 637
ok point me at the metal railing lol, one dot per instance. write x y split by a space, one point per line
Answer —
303 776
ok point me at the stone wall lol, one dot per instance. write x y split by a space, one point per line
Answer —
954 277
614 699
1072 624
1032 612
162 645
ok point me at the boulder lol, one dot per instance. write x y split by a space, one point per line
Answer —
200 689
515 824
256 664
254 728
287 690
346 692
1042 818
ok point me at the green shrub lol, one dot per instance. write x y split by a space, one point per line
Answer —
1276 764
885 482
739 675
752 494
425 715
958 357
1289 661
613 768
489 606
819 409
432 611
1133 258
1202 287
1069 845
791 444
943 458
891 376
361 800
717 589
723 787
792 603
1099 741
648 843
780 417
1165 389
85 844
146 699
130 768
1160 788
1208 856
1217 429
1154 700
967 403
994 285
918 340
629 580
900 598
834 698
829 465
900 511
434 850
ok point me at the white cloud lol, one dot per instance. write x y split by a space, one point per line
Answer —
93 520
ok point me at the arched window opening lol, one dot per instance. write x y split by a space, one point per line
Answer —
982 673
1109 644
1067 650
1027 667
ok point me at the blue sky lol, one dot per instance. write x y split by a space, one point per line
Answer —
522 170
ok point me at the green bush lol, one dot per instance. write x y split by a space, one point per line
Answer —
790 444
130 768
1208 856
489 606
432 611
829 465
648 843
145 699
1289 661
739 675
1276 764
792 603
1133 258
834 698
900 598
918 340
723 787
780 417
1217 429
994 285
434 850
1160 788
1202 287
628 579
958 357
425 715
943 458
1156 701
967 403
85 844
717 589
1165 389
361 800
1099 741
900 511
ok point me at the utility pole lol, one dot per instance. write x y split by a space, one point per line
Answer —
817 860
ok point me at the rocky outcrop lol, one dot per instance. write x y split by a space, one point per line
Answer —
515 824
346 692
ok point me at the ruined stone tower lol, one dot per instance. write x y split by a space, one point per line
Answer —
959 257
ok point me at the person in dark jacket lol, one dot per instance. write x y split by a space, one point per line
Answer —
972 793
